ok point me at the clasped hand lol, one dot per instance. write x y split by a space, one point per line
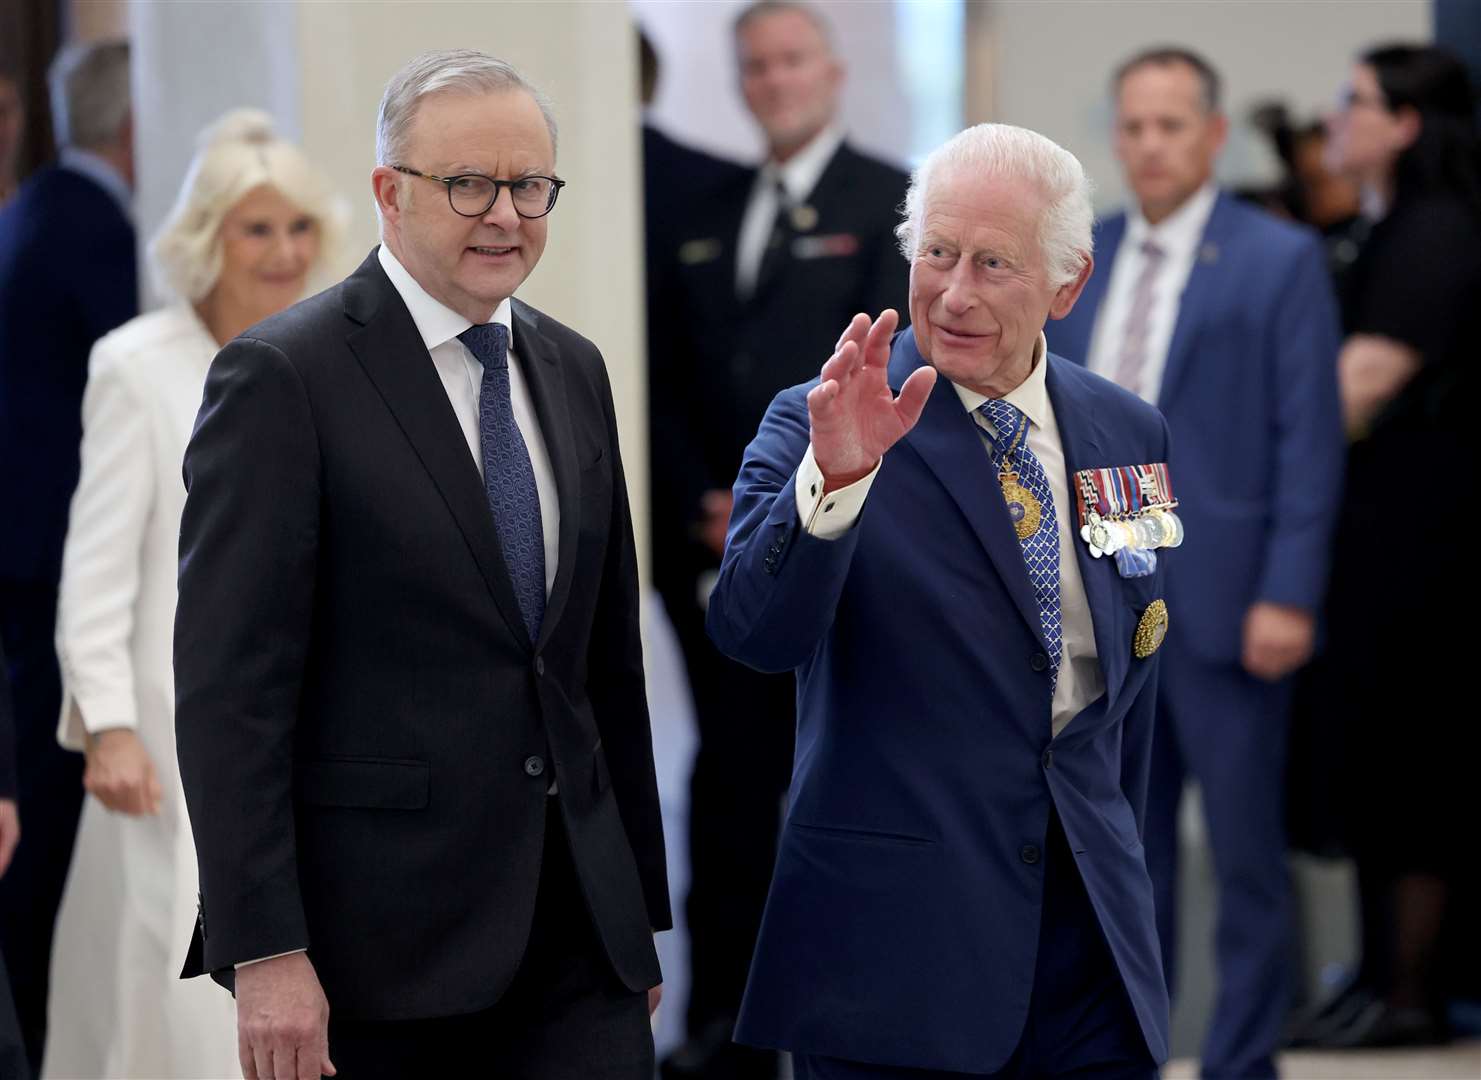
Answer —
853 414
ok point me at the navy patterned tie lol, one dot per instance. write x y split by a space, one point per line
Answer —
1041 550
508 476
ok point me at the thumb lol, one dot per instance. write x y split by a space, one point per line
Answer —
914 394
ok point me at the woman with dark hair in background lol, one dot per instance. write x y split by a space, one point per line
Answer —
1391 681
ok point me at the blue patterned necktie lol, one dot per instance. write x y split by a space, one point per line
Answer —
508 476
1040 550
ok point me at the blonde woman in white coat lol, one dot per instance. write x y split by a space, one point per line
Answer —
242 242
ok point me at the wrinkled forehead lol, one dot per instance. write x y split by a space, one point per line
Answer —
973 202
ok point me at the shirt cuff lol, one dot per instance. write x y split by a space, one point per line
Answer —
829 516
260 959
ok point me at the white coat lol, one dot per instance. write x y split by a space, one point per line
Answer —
118 1007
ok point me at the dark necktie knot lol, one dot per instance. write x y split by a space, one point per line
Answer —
488 342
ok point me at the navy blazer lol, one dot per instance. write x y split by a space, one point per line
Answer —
1250 395
67 277
902 924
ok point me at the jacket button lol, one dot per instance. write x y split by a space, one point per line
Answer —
1038 661
539 665
534 765
770 564
1048 758
1029 853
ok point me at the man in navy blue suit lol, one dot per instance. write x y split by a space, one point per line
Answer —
1224 318
66 278
960 886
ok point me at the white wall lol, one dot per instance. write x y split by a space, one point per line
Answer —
1052 63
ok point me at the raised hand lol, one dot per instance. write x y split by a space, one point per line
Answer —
854 416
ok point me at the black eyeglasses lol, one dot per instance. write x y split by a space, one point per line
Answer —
473 194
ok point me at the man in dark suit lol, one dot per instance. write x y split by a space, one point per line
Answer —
67 277
1224 317
769 266
960 886
411 716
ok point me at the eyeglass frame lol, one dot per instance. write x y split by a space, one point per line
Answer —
499 185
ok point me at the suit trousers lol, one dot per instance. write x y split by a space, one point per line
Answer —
1080 1020
566 1015
1228 731
50 800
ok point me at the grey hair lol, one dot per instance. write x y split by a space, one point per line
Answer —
761 8
465 70
1002 150
90 93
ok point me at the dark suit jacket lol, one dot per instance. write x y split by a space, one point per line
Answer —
67 277
727 357
902 924
1250 394
679 185
366 734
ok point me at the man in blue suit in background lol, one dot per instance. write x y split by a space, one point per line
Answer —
960 886
67 277
1224 317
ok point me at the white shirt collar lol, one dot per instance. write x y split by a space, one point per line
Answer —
802 171
86 163
435 321
1030 397
1178 234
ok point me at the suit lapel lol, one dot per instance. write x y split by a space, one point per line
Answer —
1203 285
948 440
1081 436
386 342
539 363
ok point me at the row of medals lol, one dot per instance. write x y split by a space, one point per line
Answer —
1151 528
1155 527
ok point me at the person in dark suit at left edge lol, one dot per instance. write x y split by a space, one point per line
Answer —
53 306
411 716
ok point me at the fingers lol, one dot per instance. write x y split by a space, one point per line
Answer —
262 1055
285 1062
244 1056
10 833
877 345
856 331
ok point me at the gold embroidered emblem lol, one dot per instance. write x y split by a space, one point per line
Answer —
1150 630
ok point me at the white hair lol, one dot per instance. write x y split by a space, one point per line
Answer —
90 95
465 70
235 155
1002 150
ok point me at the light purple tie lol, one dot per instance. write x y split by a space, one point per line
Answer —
1132 358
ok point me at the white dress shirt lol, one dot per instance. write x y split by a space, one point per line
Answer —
462 375
1180 236
798 176
829 517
